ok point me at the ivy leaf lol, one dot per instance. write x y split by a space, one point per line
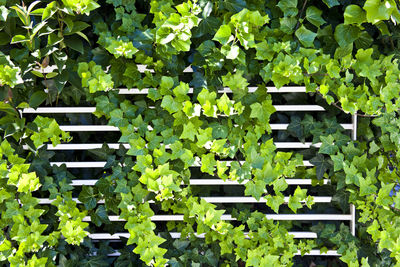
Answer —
331 3
321 164
87 197
288 7
354 15
100 216
237 83
377 11
208 25
313 15
366 188
169 104
255 189
223 34
328 146
208 163
274 202
346 34
295 127
294 203
189 131
305 36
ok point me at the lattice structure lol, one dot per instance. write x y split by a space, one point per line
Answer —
207 181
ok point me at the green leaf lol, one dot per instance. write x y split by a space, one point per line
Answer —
294 203
74 43
223 35
37 98
354 15
288 7
305 36
189 131
169 104
19 39
313 15
4 13
321 164
331 3
274 202
328 146
264 51
255 189
87 197
208 163
377 11
346 34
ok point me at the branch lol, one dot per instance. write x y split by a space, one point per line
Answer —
301 13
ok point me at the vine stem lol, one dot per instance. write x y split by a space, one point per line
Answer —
339 107
301 13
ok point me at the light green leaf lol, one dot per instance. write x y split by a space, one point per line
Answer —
354 15
223 35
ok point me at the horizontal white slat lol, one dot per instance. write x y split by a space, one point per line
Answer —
228 217
143 68
84 164
317 252
253 200
210 182
317 199
298 108
89 146
285 89
59 110
101 164
89 128
108 128
117 236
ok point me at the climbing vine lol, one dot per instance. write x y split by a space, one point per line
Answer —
212 122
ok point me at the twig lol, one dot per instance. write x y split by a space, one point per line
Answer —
301 13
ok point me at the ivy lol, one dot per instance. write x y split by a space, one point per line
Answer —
181 127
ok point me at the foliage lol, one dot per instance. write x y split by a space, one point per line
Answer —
78 52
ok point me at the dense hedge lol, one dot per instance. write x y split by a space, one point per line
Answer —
76 52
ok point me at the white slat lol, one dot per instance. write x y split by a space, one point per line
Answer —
210 182
88 146
228 217
176 235
285 89
43 201
143 68
59 110
298 108
108 128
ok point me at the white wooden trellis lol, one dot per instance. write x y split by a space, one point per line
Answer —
202 182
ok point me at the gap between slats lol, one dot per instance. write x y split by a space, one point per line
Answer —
108 128
313 252
101 164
